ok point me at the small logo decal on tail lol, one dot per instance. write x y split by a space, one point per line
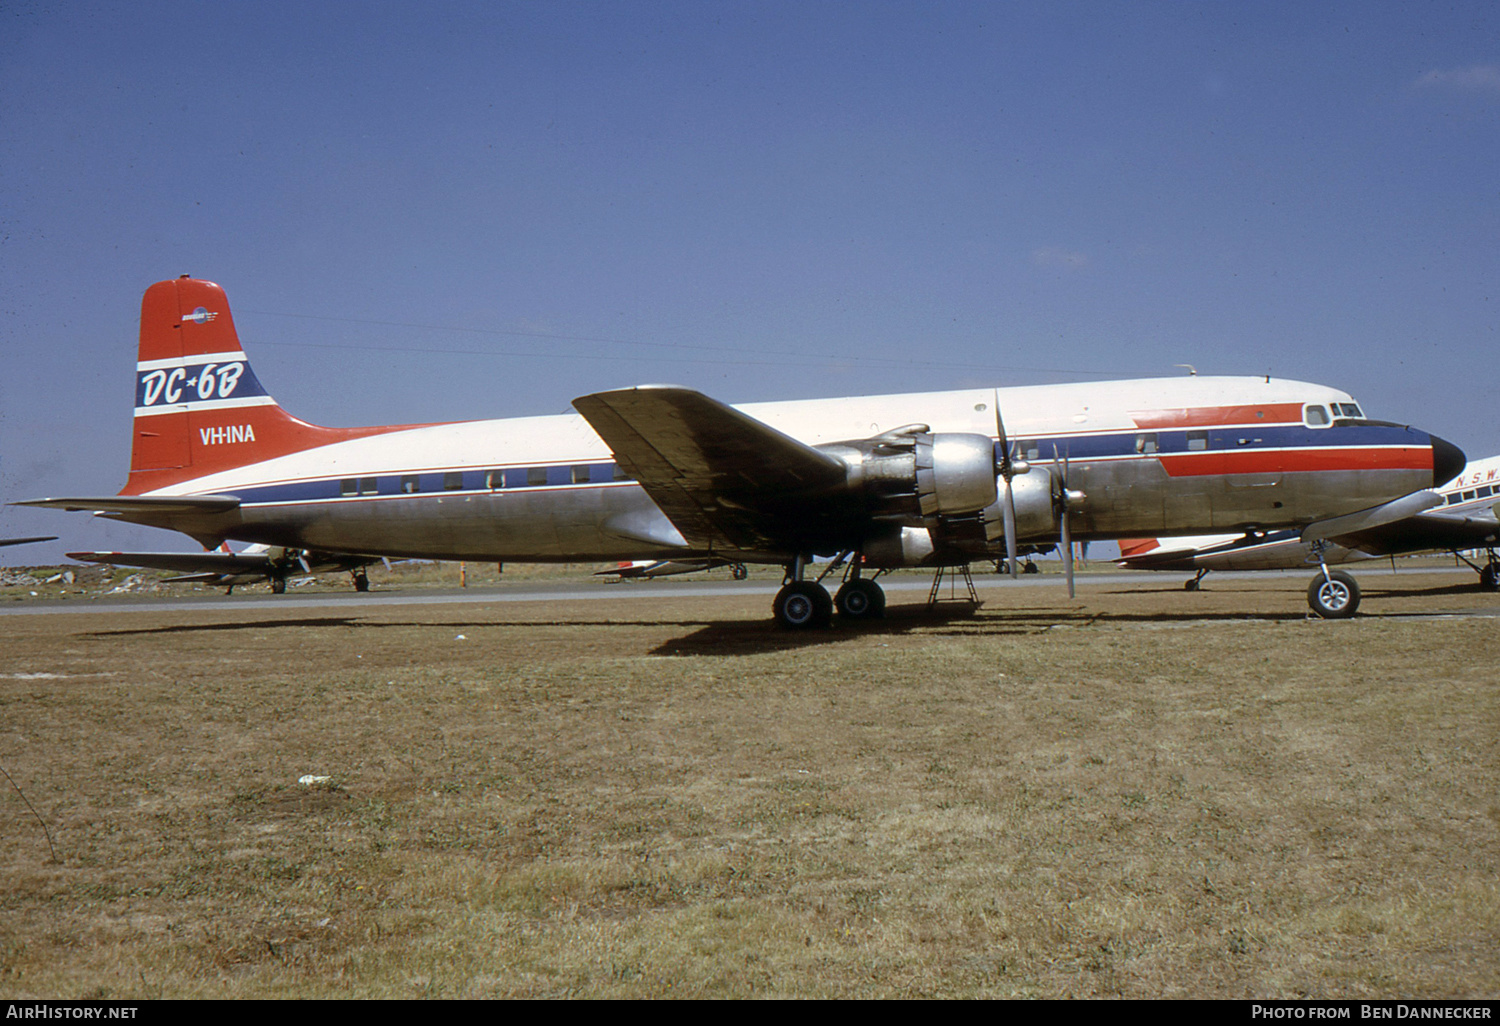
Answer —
202 315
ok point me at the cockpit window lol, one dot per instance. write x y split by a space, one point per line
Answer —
1315 416
1347 410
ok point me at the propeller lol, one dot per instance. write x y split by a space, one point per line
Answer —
1008 469
1067 538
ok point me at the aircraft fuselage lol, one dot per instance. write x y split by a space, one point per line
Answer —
1151 456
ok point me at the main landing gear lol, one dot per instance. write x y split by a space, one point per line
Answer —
803 604
1489 574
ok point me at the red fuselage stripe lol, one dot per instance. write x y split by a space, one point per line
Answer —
1197 464
1218 416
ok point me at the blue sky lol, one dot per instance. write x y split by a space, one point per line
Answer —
446 211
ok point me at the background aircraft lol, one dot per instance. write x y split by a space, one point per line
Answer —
251 565
666 473
1465 518
644 569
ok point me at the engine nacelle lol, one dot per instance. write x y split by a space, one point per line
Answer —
898 547
911 473
1036 507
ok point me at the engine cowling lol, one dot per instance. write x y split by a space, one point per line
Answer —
912 473
1035 497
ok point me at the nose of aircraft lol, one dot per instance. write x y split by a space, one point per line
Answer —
1448 461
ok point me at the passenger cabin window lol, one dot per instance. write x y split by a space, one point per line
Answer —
536 476
1197 441
369 486
1145 444
1315 416
348 486
453 480
494 479
581 475
409 484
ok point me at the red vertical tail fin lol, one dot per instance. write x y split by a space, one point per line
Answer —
198 406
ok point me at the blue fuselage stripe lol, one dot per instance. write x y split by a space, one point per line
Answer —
1115 445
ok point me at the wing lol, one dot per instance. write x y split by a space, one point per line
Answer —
724 479
27 541
1432 529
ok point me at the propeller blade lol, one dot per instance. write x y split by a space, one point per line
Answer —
1007 470
1067 537
1010 527
1003 463
1067 545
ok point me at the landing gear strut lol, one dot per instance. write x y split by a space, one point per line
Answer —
1489 574
1194 583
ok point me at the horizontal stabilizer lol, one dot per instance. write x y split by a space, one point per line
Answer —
129 505
27 541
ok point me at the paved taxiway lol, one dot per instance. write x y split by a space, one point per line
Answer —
909 586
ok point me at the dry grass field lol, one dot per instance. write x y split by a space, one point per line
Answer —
1140 793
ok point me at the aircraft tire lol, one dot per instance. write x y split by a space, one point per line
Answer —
361 581
1335 598
278 585
860 599
802 605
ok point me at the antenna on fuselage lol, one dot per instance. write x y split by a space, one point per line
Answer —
1192 371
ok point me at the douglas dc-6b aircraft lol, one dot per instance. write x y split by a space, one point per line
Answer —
1464 518
665 473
